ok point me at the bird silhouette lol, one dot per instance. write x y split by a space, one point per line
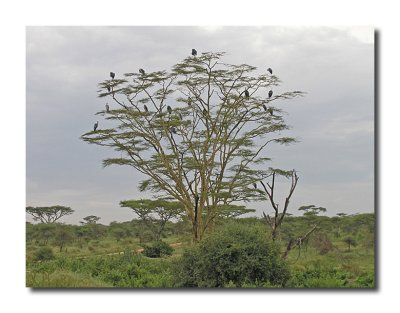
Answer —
108 88
112 75
265 107
255 185
269 70
169 109
141 71
194 52
146 108
173 130
107 108
246 93
95 126
270 94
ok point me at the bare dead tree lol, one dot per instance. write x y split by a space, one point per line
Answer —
293 243
277 219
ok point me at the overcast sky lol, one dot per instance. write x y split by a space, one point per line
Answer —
334 122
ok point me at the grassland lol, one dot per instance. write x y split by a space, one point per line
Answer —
70 256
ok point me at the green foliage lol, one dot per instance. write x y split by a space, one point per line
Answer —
48 214
91 219
322 243
311 210
350 241
155 213
126 271
234 254
98 262
199 136
44 254
157 249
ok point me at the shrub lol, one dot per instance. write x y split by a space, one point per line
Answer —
44 254
322 243
157 249
236 255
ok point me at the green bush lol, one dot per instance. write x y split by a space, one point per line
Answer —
235 255
157 249
43 254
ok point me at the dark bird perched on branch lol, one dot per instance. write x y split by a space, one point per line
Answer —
194 52
265 107
95 126
141 71
146 108
112 75
255 185
108 88
169 109
246 93
107 108
269 70
270 94
173 130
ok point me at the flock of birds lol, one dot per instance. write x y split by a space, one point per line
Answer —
169 109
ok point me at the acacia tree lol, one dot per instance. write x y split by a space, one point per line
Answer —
91 219
48 214
196 132
155 213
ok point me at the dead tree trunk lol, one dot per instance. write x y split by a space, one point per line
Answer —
293 243
276 221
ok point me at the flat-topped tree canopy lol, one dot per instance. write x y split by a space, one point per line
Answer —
202 140
48 214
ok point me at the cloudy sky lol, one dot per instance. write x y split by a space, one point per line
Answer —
334 122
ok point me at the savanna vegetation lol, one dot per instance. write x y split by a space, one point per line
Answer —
239 253
200 134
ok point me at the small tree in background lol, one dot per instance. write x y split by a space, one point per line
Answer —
197 132
48 214
311 210
155 213
63 234
91 219
350 241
